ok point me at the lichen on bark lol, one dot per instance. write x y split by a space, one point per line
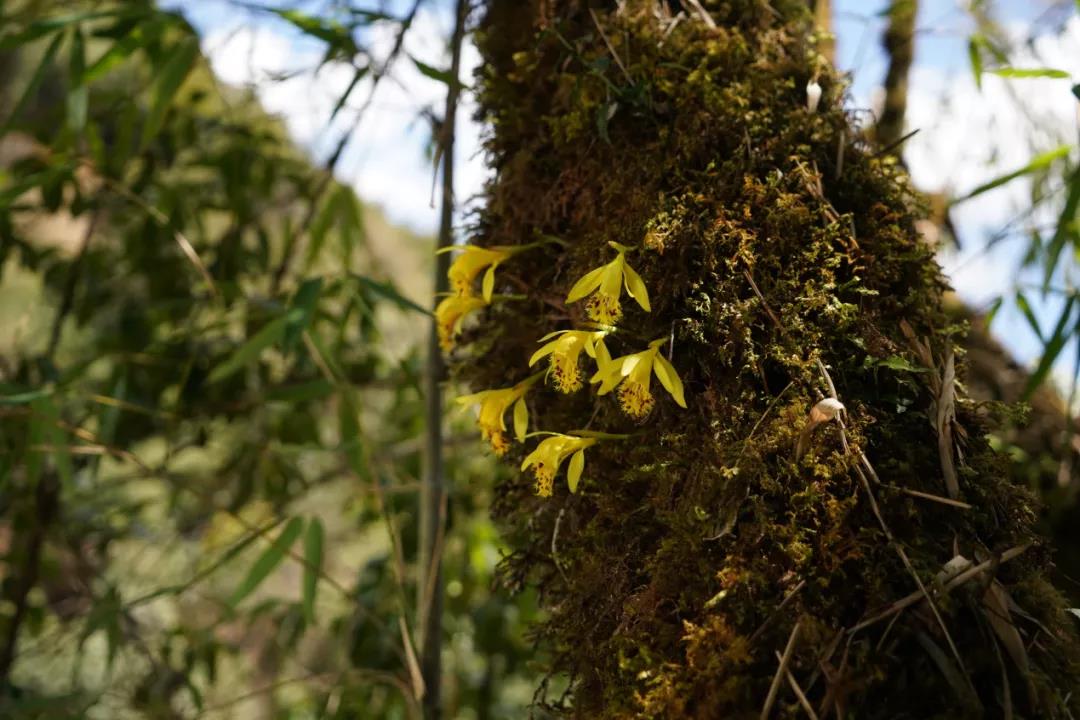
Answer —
773 242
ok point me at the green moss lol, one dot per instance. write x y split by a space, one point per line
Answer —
671 561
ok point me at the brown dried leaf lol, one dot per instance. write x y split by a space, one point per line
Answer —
946 416
996 609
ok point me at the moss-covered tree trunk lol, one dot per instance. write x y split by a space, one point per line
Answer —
781 265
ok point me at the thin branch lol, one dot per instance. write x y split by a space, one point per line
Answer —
785 659
795 688
45 509
159 217
432 511
289 255
901 553
899 44
783 603
610 47
972 572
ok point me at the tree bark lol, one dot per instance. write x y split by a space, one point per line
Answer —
899 44
783 266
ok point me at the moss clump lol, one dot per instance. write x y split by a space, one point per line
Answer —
771 239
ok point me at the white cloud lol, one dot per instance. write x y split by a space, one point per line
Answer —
967 135
386 159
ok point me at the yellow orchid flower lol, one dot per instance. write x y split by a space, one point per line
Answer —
606 284
472 260
450 313
549 455
564 352
633 374
493 406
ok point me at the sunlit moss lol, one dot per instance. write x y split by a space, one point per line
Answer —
771 238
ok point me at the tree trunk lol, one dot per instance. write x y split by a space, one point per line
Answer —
747 554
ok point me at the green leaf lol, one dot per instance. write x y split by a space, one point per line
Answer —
24 397
1064 227
78 94
975 43
35 81
58 23
443 76
1076 91
1011 72
271 333
120 51
170 76
344 97
1040 162
269 560
1025 308
314 390
336 35
389 292
896 362
369 16
352 224
45 430
991 313
1051 349
604 113
319 229
327 357
313 557
349 430
104 616
302 310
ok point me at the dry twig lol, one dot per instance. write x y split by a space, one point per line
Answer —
785 659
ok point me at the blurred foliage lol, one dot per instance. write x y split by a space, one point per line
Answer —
1040 435
210 392
210 402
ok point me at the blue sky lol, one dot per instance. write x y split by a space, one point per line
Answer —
967 135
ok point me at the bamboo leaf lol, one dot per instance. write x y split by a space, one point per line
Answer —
388 291
35 81
24 397
336 35
269 560
120 50
1020 73
271 333
48 415
43 27
313 558
443 76
1025 308
1064 227
991 313
344 97
1051 349
351 221
78 95
975 56
349 430
302 306
170 77
1040 162
319 228
314 390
